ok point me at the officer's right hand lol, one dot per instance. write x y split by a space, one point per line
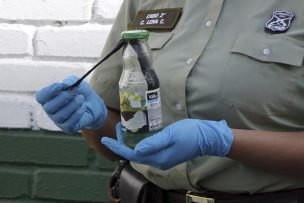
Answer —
73 110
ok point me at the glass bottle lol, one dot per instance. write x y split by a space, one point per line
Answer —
140 102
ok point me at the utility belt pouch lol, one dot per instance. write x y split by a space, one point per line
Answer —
135 188
132 187
114 188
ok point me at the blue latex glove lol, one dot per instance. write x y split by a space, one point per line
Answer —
177 143
73 110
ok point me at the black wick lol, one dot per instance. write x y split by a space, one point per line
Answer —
120 44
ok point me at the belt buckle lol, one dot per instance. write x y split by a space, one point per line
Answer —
191 198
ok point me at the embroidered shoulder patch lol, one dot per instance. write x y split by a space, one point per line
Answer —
280 22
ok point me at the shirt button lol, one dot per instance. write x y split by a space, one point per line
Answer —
209 23
266 51
189 60
179 106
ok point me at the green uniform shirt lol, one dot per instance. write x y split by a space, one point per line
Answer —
219 63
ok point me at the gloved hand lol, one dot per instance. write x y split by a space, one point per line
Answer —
73 110
177 143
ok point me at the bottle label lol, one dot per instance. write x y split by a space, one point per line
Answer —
154 109
134 76
140 114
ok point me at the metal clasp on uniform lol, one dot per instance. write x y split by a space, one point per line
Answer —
191 198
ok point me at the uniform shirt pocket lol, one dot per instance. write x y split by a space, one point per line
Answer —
262 73
269 49
157 40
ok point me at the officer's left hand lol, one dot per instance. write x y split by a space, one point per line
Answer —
177 143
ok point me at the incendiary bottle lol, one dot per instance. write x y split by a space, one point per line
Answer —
140 102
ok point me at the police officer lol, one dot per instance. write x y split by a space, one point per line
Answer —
231 75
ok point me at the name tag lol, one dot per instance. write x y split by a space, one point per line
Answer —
158 19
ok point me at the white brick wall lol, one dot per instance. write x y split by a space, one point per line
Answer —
16 39
105 8
43 10
16 110
74 41
44 41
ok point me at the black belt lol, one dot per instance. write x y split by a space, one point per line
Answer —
290 196
129 186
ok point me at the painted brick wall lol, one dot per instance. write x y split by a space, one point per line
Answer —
41 42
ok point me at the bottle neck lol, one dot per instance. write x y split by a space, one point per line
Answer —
143 53
144 58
